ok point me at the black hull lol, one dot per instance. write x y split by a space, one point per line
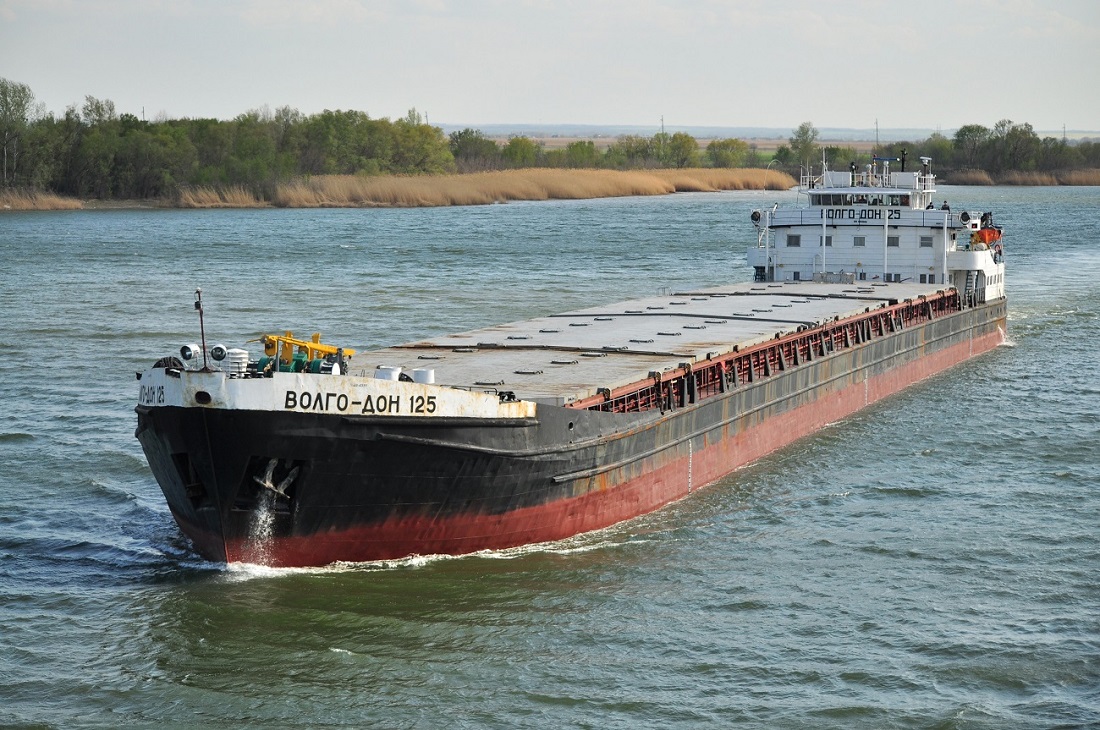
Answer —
368 488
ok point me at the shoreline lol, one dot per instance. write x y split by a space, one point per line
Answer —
485 188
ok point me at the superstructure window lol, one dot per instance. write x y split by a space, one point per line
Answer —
859 241
828 240
893 241
794 239
926 242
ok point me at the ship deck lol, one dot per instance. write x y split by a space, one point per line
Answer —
569 357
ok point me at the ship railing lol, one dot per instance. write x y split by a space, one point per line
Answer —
809 181
694 382
874 179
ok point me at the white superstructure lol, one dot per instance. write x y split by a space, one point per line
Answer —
879 226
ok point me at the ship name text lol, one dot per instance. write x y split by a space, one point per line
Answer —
151 395
862 214
393 405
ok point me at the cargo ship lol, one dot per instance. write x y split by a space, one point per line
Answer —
535 431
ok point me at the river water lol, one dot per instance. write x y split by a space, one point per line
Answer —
933 561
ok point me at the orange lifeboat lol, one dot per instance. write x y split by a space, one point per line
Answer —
986 236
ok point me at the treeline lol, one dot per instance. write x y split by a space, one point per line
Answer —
1006 147
95 152
474 152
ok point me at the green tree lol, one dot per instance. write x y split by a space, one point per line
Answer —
804 144
682 150
98 112
473 151
658 151
420 148
727 153
554 158
1089 152
520 152
840 157
213 143
629 152
1056 154
581 154
940 149
1012 147
784 156
969 141
252 162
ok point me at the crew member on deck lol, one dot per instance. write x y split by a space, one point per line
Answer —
945 206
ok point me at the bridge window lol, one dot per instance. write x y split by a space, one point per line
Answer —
926 242
893 241
859 241
794 239
828 240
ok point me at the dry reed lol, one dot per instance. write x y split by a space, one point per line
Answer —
969 177
31 200
207 197
529 184
1079 177
712 179
1090 176
1022 177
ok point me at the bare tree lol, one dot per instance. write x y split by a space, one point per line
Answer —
17 111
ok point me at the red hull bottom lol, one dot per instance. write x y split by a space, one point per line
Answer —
461 534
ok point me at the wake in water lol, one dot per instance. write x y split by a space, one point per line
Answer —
255 563
260 530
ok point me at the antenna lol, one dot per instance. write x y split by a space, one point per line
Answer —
202 326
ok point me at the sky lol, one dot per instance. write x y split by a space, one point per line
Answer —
728 63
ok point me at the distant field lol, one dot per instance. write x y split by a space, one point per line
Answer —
762 144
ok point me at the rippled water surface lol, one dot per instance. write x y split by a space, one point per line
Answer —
931 562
